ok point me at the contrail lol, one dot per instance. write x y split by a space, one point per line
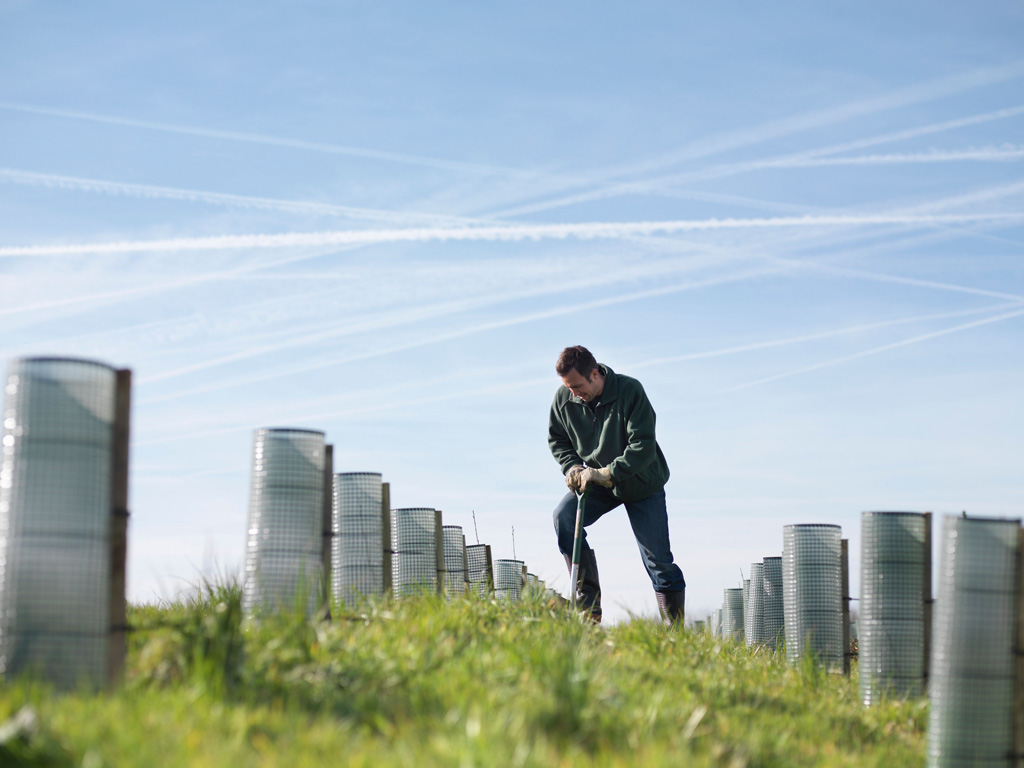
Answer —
393 402
660 184
876 350
154 287
988 154
788 341
864 274
15 176
256 138
438 338
505 233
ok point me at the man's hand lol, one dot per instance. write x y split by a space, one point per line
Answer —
591 476
572 478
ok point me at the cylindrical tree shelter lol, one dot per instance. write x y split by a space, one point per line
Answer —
416 542
359 525
63 510
284 548
894 569
479 569
774 615
971 721
454 560
508 579
732 614
753 616
812 588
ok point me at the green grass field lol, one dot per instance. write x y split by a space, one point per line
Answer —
424 682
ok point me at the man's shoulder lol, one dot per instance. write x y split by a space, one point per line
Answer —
625 385
562 398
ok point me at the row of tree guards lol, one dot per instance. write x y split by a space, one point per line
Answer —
969 660
314 533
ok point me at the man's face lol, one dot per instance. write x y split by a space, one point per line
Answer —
586 388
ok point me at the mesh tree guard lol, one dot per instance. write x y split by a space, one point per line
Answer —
455 578
732 614
58 456
359 527
813 593
479 568
973 655
894 567
774 615
753 617
508 579
416 542
284 547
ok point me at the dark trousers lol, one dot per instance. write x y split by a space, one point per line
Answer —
649 519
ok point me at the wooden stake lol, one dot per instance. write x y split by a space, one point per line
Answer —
1018 657
326 531
385 531
117 647
928 601
844 564
439 549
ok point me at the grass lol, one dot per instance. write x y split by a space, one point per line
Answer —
424 682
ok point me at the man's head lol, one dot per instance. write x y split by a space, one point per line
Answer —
579 372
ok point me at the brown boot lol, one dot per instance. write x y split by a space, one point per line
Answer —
671 605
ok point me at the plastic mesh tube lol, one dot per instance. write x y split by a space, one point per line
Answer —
454 560
732 614
414 544
812 592
753 617
894 567
358 535
972 664
55 507
479 569
508 579
284 547
774 615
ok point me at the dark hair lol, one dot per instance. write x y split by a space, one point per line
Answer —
576 357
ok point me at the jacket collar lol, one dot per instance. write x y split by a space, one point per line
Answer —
611 384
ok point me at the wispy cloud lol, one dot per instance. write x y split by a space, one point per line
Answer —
505 233
877 350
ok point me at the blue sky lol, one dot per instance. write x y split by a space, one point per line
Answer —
800 227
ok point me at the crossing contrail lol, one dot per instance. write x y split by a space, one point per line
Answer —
877 350
986 154
662 184
146 191
505 233
257 138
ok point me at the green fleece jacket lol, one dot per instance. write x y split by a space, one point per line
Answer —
618 433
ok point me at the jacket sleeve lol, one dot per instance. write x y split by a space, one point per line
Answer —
559 443
641 446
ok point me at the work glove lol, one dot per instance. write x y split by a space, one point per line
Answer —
591 476
572 478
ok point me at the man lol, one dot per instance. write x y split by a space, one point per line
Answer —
601 433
